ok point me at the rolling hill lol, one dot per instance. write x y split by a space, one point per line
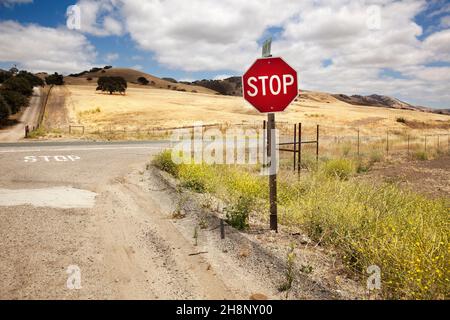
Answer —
232 86
132 76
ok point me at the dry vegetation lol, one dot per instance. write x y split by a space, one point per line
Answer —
145 107
369 223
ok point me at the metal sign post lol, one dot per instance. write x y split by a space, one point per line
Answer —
272 155
270 85
266 53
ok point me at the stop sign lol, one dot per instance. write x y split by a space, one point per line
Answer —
270 85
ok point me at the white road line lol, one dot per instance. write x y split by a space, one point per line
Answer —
81 149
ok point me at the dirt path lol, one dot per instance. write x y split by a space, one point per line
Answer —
56 115
430 177
29 117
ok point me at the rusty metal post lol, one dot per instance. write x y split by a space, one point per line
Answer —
295 146
408 144
317 146
358 143
387 142
272 173
299 163
222 229
265 148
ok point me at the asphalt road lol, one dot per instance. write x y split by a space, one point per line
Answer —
87 221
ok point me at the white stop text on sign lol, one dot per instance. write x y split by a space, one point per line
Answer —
275 84
33 159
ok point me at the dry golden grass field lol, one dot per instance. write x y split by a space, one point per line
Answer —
150 107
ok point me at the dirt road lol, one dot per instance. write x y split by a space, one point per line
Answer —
29 117
93 213
56 113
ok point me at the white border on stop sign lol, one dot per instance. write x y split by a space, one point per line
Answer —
242 81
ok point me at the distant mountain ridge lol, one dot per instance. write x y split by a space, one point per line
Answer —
233 87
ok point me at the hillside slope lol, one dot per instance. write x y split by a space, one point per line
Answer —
132 76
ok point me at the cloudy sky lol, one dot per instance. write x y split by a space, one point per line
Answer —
397 48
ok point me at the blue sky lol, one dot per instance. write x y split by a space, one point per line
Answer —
398 48
53 14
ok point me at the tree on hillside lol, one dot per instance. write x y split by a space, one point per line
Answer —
5 110
14 99
18 84
34 80
143 81
222 87
55 79
170 80
5 75
14 70
112 84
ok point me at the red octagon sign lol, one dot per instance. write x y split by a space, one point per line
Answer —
270 85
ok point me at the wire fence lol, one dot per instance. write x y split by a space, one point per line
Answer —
333 141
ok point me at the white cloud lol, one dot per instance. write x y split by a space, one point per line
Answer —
38 48
98 17
203 35
200 35
110 57
225 36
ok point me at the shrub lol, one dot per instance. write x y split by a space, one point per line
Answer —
420 155
170 80
112 84
93 70
18 84
163 161
198 178
107 67
341 168
5 110
4 75
143 81
401 120
35 81
14 99
375 156
237 213
55 79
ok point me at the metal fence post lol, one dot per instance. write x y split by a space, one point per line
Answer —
387 142
299 148
358 143
295 145
317 146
